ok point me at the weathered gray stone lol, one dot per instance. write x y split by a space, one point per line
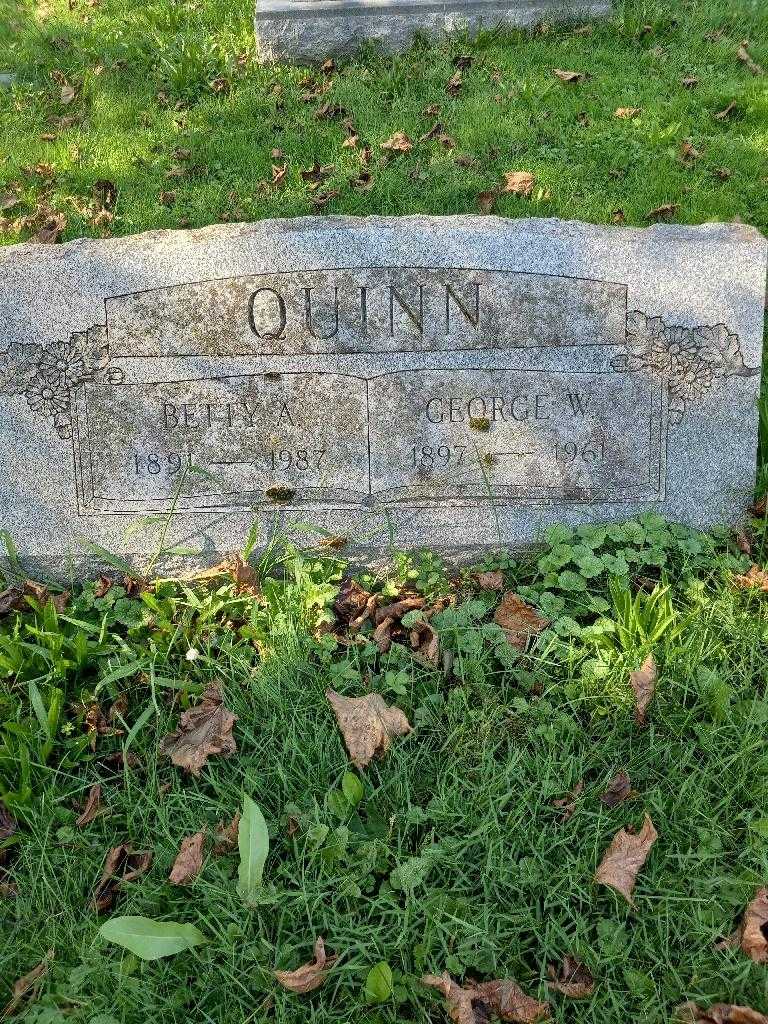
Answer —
311 30
450 381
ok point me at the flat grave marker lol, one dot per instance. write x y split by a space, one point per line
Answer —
456 382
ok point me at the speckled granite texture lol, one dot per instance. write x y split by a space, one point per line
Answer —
448 381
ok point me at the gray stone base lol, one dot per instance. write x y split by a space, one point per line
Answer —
312 30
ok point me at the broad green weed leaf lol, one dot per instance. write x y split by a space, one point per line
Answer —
378 984
352 788
253 844
150 939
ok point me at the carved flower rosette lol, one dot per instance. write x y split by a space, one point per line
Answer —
47 376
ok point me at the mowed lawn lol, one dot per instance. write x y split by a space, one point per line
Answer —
471 845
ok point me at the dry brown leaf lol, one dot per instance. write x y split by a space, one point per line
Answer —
726 112
486 201
9 200
398 143
167 198
719 1013
627 112
569 76
226 836
567 804
663 211
8 824
67 94
351 602
518 620
120 864
519 183
619 789
455 83
202 731
748 60
310 976
397 609
28 985
689 82
573 979
493 580
624 857
643 683
471 1003
367 725
92 807
753 933
189 860
688 152
51 229
755 578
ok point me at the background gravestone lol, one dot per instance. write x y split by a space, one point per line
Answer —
453 382
311 30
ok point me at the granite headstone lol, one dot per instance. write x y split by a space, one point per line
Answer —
445 381
311 30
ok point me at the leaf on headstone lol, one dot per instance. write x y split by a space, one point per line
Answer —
491 580
253 845
203 731
663 211
151 940
471 1003
573 979
619 789
572 77
747 59
719 1013
519 620
189 860
398 143
627 113
519 183
92 807
624 857
753 933
755 578
310 976
25 988
643 683
225 839
726 112
367 725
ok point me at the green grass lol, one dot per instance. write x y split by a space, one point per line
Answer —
463 806
511 114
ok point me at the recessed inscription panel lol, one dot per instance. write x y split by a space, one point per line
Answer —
470 434
219 443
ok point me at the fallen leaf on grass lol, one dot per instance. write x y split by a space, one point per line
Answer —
519 183
663 211
486 201
567 804
726 112
189 860
310 976
619 789
688 152
719 1013
151 940
747 59
471 1003
493 580
689 82
643 683
226 836
67 94
8 824
367 725
756 577
569 76
455 83
753 933
352 603
627 112
92 807
202 732
26 987
624 857
398 143
121 864
574 979
9 200
518 620
51 229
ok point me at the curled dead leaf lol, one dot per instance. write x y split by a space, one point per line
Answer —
398 143
567 804
726 112
627 113
203 731
689 82
643 683
624 857
493 580
310 976
92 807
688 152
571 77
619 789
367 725
573 979
471 1003
519 620
486 201
748 60
753 933
663 211
189 860
519 183
122 864
225 840
755 578
719 1013
26 987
